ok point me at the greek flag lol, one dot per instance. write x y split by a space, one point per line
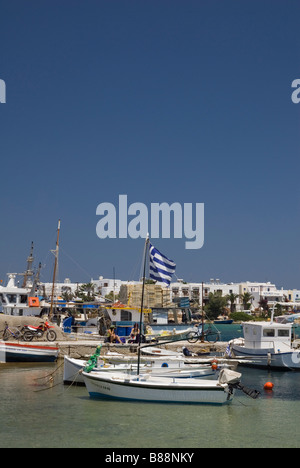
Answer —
161 268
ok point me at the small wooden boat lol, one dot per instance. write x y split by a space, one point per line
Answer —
223 321
168 335
176 368
21 352
162 389
159 352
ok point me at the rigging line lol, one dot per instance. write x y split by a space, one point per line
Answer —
48 388
49 375
74 380
76 263
76 375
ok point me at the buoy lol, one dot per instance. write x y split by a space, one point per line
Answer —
268 386
214 364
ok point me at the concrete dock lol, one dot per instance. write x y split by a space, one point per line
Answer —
79 349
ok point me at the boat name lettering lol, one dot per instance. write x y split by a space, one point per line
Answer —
104 387
134 221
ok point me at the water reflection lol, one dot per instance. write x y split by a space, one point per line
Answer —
37 413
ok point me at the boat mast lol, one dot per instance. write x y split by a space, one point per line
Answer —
202 337
55 252
142 304
29 271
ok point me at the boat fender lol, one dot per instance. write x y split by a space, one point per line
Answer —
214 364
165 364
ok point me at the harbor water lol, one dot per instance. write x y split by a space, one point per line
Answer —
38 411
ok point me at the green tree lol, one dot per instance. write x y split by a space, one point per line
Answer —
216 305
246 298
232 298
86 292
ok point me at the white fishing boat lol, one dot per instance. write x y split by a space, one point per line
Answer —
162 389
176 368
21 352
169 335
266 345
152 351
22 300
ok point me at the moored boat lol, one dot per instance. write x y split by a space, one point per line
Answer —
266 345
21 352
176 368
223 320
162 389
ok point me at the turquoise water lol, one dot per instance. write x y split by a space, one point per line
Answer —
36 416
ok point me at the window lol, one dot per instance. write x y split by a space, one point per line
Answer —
284 333
269 332
126 316
23 299
12 298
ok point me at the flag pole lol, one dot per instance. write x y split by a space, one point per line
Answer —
142 304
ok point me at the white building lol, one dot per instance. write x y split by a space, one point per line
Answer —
106 286
195 290
179 289
60 288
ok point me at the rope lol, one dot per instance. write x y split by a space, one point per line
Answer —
52 373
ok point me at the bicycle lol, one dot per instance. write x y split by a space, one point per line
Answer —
14 332
209 335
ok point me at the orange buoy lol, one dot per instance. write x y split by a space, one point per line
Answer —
268 386
214 364
33 302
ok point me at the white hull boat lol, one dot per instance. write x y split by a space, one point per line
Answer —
266 345
265 358
73 369
174 335
162 389
160 352
20 352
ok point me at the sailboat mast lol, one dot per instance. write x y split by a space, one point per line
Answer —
142 304
55 269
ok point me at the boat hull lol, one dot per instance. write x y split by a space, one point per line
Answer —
18 352
223 322
266 358
153 389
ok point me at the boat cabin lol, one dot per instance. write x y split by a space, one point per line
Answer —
262 335
18 301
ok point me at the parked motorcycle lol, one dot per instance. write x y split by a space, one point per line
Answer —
30 332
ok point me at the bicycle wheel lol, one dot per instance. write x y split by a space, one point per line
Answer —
51 335
5 335
212 337
192 337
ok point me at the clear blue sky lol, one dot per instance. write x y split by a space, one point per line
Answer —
162 100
